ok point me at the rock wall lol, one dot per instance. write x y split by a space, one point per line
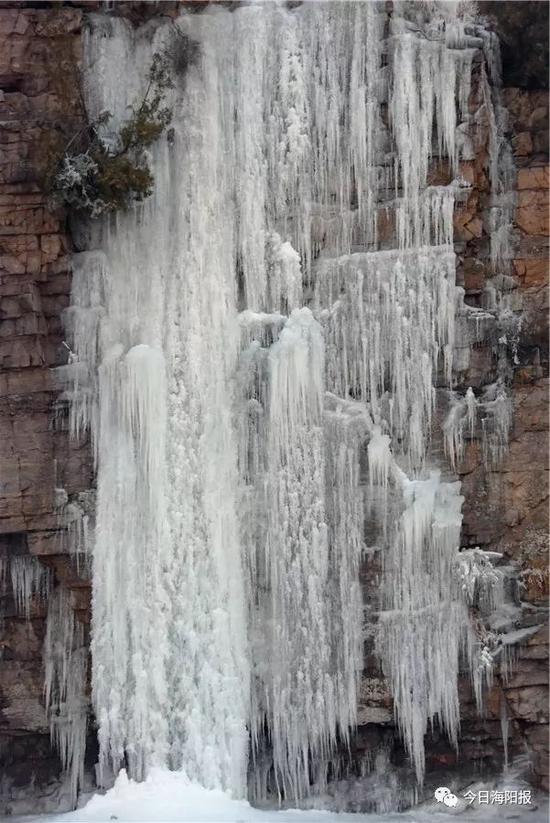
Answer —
36 455
505 508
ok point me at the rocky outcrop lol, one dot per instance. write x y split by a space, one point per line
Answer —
36 455
506 505
522 26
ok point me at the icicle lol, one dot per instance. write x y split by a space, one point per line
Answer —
380 458
65 665
76 517
453 430
391 316
496 425
460 421
300 705
504 727
345 432
425 627
83 321
4 570
501 161
434 220
428 79
29 579
312 528
495 413
471 405
284 274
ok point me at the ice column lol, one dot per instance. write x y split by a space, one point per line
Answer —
66 666
154 344
424 631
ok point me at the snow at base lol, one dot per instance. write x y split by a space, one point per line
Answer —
169 797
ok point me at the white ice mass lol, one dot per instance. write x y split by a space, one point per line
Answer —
241 342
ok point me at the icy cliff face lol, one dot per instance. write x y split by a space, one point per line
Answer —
240 340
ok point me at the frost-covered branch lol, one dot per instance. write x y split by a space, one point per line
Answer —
97 175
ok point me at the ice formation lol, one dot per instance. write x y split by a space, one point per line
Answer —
425 629
238 344
66 665
482 583
390 316
303 525
491 413
29 578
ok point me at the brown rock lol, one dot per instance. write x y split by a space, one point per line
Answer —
533 178
25 381
21 691
531 272
468 171
531 407
532 212
522 144
45 543
529 703
538 736
21 352
474 273
528 673
23 639
526 454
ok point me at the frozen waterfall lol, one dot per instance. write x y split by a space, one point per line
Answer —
242 341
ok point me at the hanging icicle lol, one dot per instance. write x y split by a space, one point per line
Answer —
239 343
66 666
